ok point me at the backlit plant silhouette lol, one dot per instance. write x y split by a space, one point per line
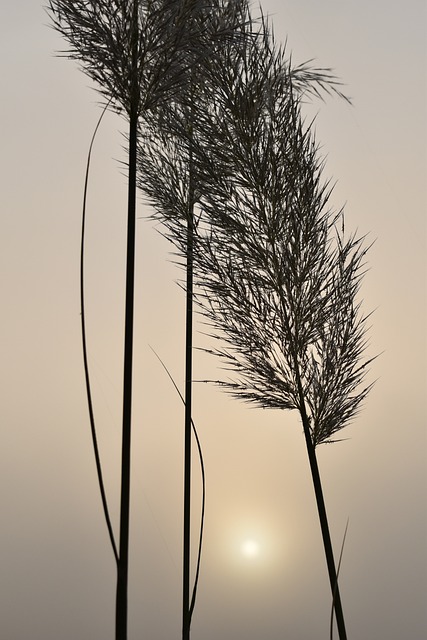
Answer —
137 52
235 177
277 277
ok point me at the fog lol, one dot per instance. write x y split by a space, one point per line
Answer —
58 573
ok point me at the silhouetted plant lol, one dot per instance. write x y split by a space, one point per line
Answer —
137 53
280 280
223 24
235 178
277 278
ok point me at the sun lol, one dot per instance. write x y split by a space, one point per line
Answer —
250 548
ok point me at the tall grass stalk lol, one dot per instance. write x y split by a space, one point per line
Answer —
218 24
186 613
122 573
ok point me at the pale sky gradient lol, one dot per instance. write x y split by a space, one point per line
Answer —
57 571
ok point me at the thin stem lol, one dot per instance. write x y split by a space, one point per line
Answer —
122 573
202 470
323 518
315 474
331 629
84 345
186 615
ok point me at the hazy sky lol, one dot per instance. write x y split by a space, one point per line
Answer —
57 571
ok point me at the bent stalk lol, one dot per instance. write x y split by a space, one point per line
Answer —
84 348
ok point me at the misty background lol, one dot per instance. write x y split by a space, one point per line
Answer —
57 570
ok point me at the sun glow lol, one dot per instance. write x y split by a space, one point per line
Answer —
251 544
250 548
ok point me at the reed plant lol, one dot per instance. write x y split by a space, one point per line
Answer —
221 23
218 144
136 51
277 277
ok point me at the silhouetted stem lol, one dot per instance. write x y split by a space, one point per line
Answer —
321 508
122 573
315 474
186 615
